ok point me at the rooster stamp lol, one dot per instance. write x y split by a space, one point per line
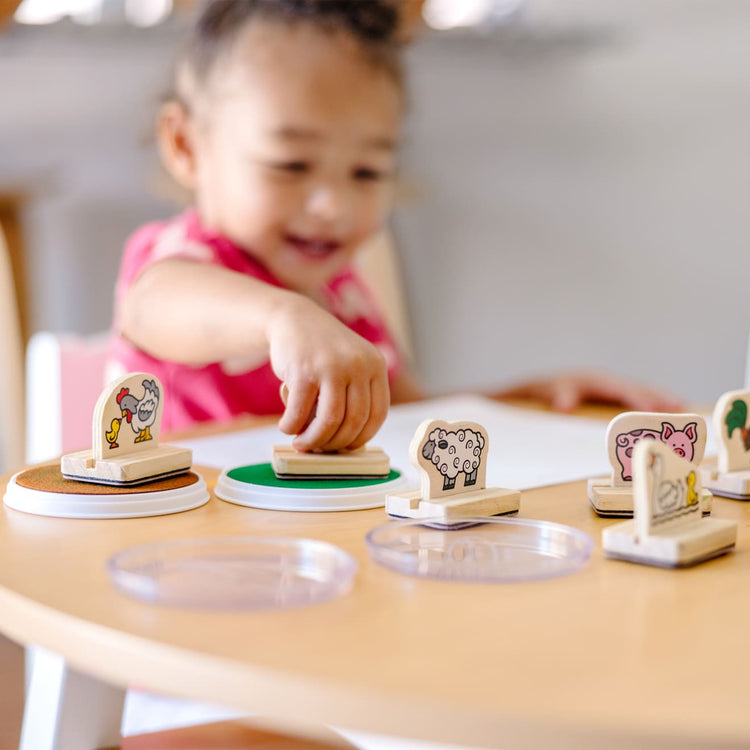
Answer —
731 478
140 413
125 437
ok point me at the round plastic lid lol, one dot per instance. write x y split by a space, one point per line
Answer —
44 491
240 573
257 486
480 549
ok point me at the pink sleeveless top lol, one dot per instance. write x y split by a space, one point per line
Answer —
213 393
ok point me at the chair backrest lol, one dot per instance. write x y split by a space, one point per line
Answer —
378 264
65 373
11 369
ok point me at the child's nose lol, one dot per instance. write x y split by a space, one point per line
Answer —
327 202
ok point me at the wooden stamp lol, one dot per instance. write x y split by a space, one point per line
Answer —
667 528
452 460
685 434
731 478
365 463
125 441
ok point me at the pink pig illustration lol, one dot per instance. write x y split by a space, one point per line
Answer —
625 442
682 442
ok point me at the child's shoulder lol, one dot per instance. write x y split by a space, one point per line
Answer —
160 240
181 236
185 237
155 234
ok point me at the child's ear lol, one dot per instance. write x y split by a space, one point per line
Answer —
176 135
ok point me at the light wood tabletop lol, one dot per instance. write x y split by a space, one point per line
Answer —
615 655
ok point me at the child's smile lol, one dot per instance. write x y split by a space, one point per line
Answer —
297 163
314 247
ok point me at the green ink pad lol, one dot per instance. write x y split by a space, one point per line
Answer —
257 486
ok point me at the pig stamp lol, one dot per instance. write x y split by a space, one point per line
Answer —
682 442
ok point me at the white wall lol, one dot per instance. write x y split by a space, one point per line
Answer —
75 136
575 189
581 196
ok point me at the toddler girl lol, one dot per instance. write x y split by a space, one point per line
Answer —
284 126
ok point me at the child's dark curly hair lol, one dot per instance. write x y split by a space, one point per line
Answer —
373 23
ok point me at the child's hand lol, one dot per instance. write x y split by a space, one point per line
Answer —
337 381
568 391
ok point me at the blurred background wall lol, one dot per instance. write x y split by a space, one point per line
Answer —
574 185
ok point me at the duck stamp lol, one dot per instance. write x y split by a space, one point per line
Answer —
668 528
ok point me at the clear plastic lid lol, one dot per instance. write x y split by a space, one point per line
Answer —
480 549
241 573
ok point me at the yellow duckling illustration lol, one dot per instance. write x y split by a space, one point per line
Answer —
114 431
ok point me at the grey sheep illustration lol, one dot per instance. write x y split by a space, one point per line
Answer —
453 453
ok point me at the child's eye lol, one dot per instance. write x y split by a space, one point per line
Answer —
366 174
290 166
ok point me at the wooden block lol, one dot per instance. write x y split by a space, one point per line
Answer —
364 463
125 437
610 501
684 433
731 425
494 501
617 502
732 484
147 466
668 528
452 461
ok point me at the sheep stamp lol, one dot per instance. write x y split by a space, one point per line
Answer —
667 528
452 461
125 437
685 434
731 477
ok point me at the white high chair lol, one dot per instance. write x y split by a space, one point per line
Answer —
378 263
64 375
11 369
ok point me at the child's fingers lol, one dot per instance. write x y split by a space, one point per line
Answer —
329 414
380 400
355 417
566 397
300 407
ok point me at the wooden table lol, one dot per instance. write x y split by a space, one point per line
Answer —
616 655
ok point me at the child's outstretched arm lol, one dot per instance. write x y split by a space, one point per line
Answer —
195 314
565 392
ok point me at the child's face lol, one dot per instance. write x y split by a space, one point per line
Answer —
296 151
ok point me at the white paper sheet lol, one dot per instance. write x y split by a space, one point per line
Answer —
526 448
